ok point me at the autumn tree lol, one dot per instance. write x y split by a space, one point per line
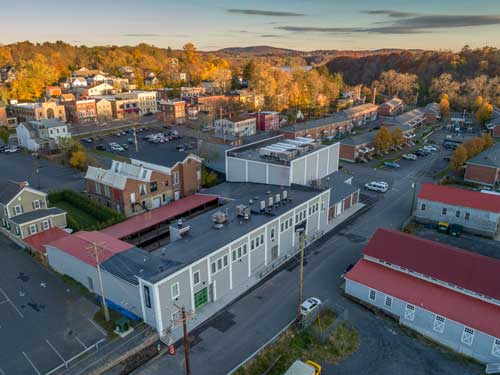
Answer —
33 76
488 141
383 140
397 137
444 84
403 85
4 134
444 106
190 53
79 160
484 113
458 158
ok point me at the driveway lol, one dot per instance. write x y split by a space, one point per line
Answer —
239 330
43 321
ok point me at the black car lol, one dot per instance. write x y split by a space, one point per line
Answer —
420 153
100 147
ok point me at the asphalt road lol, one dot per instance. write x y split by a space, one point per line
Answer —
226 340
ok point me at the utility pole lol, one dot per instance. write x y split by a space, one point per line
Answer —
414 187
186 342
184 317
301 274
94 248
135 140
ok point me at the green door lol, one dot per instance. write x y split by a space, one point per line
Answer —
200 298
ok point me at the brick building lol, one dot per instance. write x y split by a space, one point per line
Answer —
432 113
361 114
37 111
484 168
267 120
391 107
172 111
81 111
138 187
335 126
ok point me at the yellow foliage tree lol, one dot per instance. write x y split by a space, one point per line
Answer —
484 113
444 106
33 76
383 140
488 141
397 137
458 158
79 160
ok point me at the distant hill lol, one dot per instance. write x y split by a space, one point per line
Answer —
259 51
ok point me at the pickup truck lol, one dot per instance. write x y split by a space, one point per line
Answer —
304 368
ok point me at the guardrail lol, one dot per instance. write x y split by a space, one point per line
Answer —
66 363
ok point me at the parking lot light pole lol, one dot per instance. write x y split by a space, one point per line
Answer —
301 274
135 140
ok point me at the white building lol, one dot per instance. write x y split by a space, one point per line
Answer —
147 100
41 135
236 126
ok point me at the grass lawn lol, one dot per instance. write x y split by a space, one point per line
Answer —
83 218
294 345
108 155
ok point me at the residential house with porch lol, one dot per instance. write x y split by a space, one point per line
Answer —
24 211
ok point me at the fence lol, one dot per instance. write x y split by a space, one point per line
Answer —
66 363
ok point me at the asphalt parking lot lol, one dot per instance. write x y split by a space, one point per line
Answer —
43 321
165 154
466 241
21 166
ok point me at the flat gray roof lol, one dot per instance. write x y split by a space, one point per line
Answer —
312 124
203 238
489 157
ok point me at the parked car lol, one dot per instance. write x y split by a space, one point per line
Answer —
3 147
409 156
391 164
100 147
87 140
11 149
309 305
430 148
378 186
125 146
420 153
131 140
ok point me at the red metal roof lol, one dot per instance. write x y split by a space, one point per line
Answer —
37 240
460 197
470 311
158 215
446 263
79 245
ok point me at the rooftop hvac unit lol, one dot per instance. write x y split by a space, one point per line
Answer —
262 205
270 202
277 198
284 194
219 217
243 211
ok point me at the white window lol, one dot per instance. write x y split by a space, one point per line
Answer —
174 289
245 249
282 227
272 234
175 176
196 278
234 255
214 268
439 322
252 244
36 204
468 336
262 239
372 294
18 210
32 229
98 188
388 301
45 224
106 191
495 350
410 312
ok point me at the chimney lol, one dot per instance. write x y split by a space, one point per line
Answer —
374 94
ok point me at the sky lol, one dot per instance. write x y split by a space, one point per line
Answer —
297 24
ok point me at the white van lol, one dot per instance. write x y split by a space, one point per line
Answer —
378 186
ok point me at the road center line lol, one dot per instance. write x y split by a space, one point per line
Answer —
12 304
31 363
55 350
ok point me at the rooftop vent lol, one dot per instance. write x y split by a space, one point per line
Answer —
270 202
243 211
284 194
219 219
262 205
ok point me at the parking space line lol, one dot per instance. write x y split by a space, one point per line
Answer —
98 327
80 341
1 372
55 350
31 363
12 304
4 302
